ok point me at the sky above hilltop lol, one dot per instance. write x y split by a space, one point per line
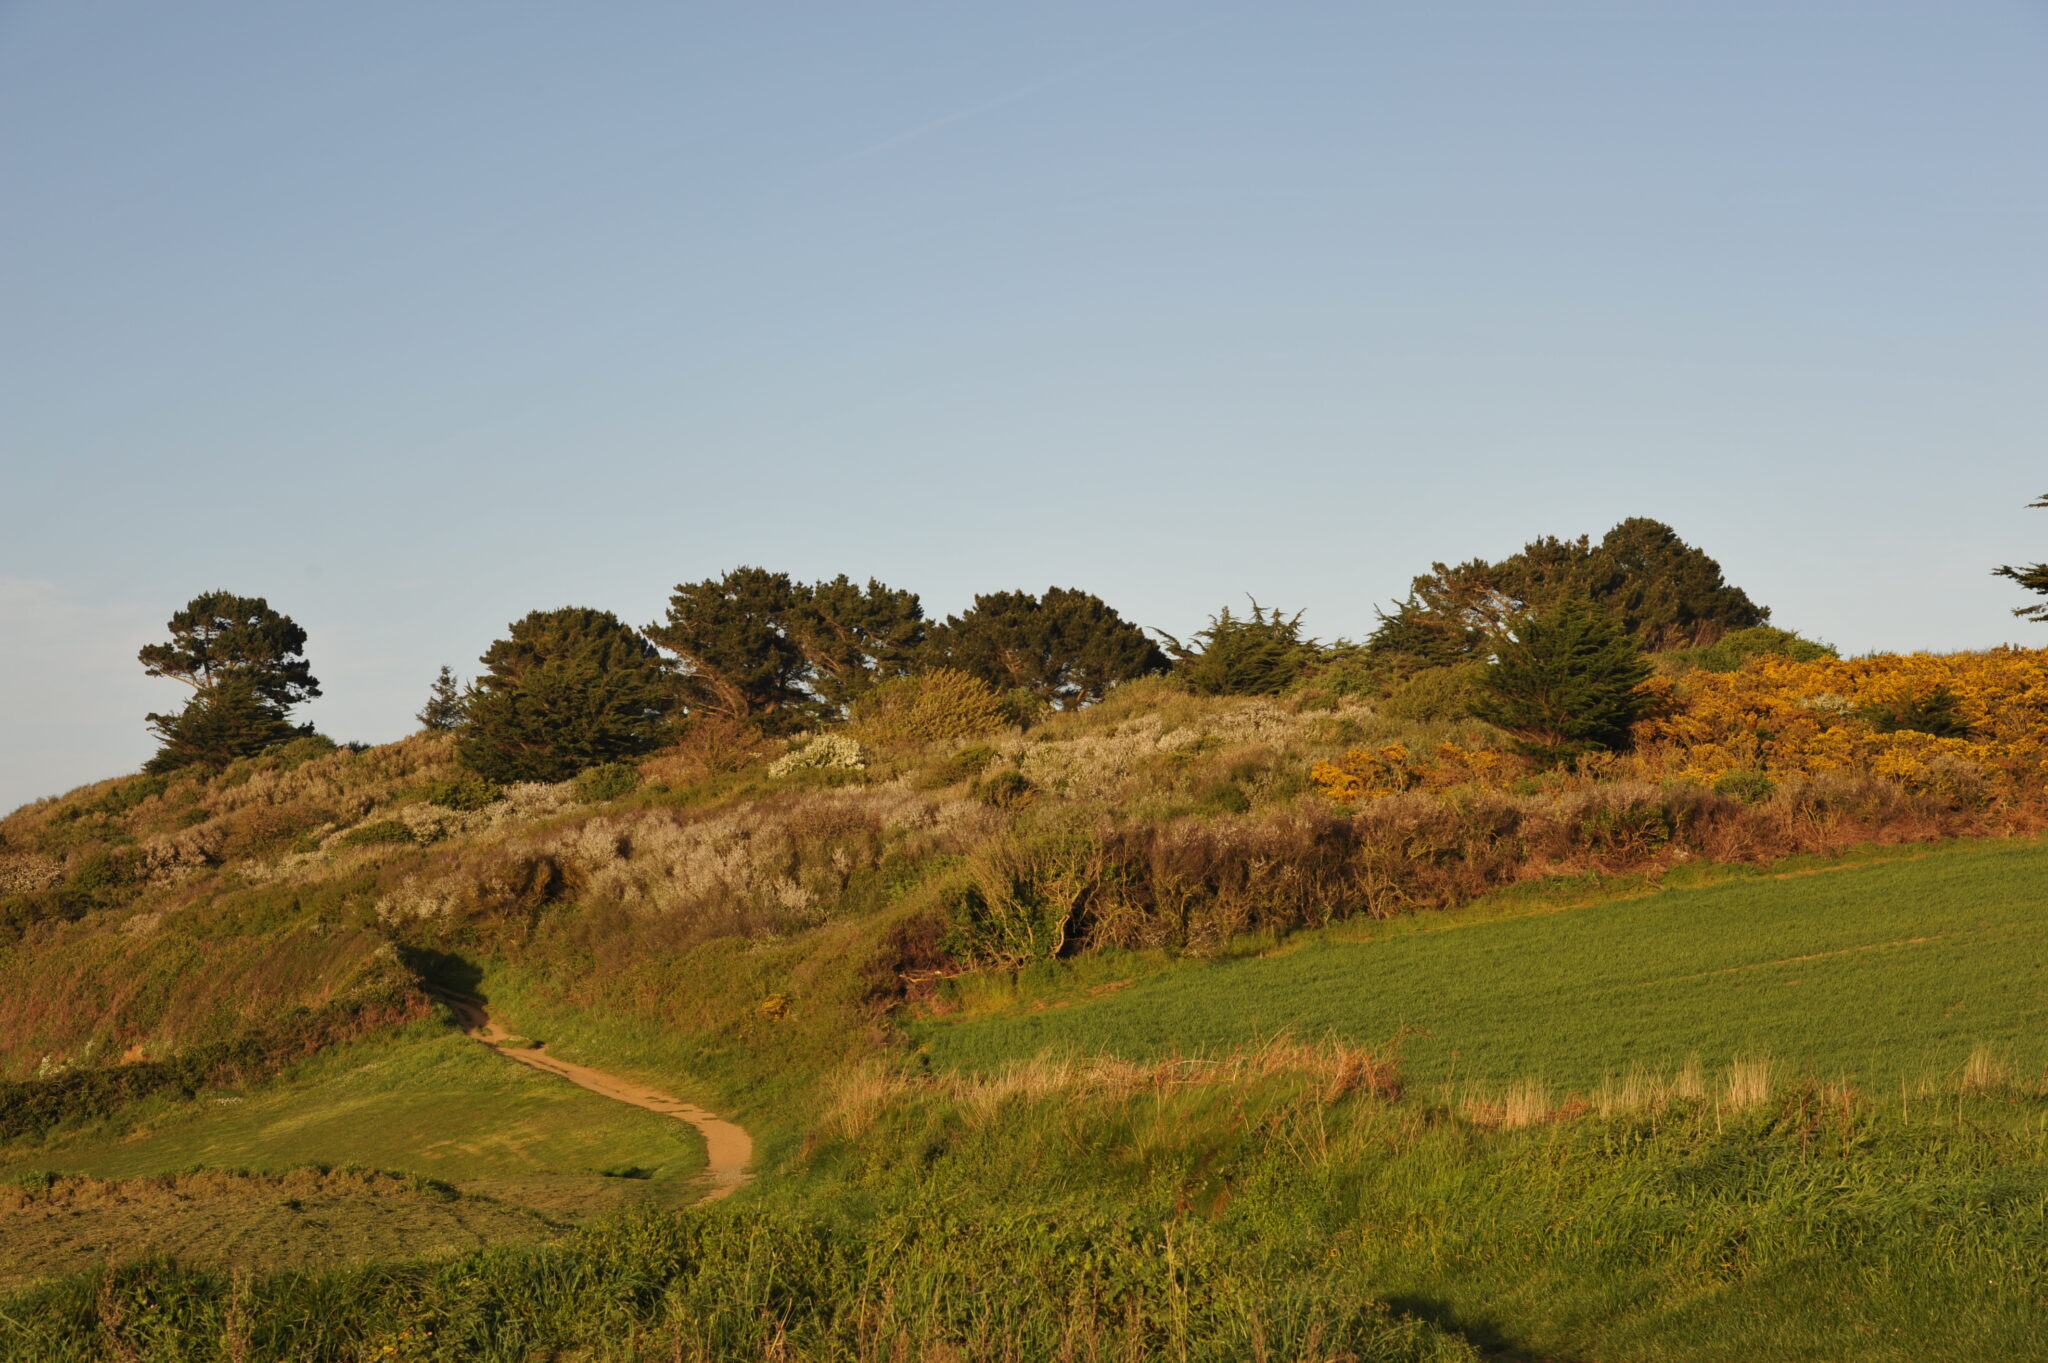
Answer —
414 317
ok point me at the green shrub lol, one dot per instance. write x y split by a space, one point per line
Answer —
1938 713
375 834
939 706
464 792
1257 656
1750 787
1437 693
606 781
964 765
1733 649
1007 789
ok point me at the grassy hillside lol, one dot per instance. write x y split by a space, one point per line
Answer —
1871 973
863 963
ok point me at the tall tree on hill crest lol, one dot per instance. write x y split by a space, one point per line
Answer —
247 667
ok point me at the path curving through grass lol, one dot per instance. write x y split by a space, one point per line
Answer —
728 1147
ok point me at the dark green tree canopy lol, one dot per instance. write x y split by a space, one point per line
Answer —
1565 682
2033 577
737 659
566 690
228 720
853 636
1256 655
246 665
1663 592
1068 647
758 647
220 635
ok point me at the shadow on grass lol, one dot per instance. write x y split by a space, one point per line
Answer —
1481 1333
443 969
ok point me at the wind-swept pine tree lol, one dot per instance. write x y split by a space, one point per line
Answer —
2033 577
246 665
1565 683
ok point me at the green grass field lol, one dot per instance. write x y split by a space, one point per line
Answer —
1873 972
426 1102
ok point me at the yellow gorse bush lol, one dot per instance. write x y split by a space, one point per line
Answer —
1785 718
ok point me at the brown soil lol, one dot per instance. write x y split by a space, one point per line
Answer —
728 1147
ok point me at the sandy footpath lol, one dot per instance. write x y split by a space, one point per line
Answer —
730 1148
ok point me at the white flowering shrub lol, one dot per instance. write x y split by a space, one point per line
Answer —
829 752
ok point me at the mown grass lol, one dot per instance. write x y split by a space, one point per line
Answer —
1252 1212
425 1101
1873 972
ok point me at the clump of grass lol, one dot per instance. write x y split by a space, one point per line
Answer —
1749 1082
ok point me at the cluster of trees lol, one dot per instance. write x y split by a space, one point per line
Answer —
567 689
1561 629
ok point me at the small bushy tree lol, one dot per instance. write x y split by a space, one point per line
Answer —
567 689
1068 647
1257 655
1565 683
445 708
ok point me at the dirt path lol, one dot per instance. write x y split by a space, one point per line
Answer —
729 1147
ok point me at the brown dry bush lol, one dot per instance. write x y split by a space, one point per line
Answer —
710 746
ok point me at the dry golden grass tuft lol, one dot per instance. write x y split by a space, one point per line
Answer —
1328 1071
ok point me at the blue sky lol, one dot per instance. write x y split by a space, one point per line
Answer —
414 317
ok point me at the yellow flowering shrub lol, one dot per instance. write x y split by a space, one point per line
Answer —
1780 717
1784 717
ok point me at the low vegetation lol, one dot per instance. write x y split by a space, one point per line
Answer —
1583 966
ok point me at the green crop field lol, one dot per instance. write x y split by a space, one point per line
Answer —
1877 973
430 1103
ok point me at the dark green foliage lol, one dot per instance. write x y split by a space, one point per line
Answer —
1733 649
375 835
757 647
606 781
445 708
1665 593
1437 694
219 635
1007 789
852 636
1564 683
1938 712
247 667
1750 787
737 658
2033 577
568 689
467 793
230 719
1259 655
1067 648
1662 591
